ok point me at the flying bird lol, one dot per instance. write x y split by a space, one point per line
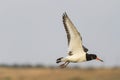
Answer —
77 52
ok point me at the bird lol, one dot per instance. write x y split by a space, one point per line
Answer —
77 52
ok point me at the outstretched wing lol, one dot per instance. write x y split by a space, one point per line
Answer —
73 36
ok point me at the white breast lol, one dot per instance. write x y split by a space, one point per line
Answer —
77 58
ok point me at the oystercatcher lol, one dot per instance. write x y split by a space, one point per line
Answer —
76 51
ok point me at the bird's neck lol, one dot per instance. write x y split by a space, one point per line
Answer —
88 57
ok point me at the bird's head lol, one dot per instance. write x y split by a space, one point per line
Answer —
93 57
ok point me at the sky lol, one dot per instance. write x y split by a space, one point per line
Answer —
31 31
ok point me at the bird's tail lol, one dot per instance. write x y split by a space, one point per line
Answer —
59 60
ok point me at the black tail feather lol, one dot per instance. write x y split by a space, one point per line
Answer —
59 60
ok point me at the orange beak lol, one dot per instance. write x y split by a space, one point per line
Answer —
99 59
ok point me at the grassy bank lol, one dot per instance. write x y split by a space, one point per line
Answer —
58 74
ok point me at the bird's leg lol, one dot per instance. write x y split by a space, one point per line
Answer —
67 63
64 64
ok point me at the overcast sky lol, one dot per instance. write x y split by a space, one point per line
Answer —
31 31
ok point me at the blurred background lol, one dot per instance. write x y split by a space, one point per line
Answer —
32 34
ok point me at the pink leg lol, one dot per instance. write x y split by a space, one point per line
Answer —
64 64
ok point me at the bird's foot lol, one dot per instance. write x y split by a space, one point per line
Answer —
64 65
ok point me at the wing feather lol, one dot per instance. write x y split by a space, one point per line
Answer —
73 36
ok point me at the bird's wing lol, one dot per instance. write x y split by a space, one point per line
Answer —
74 37
85 49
